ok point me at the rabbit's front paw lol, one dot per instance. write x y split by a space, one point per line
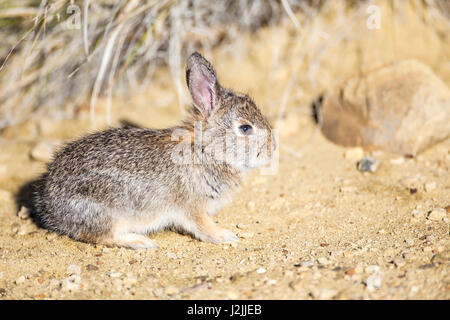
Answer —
225 236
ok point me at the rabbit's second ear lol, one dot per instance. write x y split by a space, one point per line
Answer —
202 83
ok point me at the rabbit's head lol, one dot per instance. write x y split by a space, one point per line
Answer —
234 130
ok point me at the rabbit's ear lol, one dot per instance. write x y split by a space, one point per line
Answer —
202 83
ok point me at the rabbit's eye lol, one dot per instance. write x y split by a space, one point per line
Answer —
246 129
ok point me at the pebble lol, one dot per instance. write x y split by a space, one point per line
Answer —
130 280
418 213
20 280
71 283
354 154
399 262
348 189
368 164
261 270
73 269
324 293
246 235
350 271
397 161
172 255
91 267
51 236
170 290
441 258
323 261
44 150
430 186
373 282
232 295
114 274
251 205
410 181
372 269
307 264
27 228
241 226
24 213
437 214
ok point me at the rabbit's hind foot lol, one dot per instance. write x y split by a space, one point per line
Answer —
129 240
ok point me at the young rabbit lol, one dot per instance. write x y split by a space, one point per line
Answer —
116 186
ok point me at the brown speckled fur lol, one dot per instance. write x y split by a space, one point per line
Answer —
116 186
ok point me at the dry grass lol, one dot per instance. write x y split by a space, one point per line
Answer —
51 63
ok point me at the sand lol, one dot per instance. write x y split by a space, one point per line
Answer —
316 229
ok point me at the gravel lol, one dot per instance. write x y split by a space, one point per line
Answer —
368 164
437 214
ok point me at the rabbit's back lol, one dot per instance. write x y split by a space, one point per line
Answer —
102 176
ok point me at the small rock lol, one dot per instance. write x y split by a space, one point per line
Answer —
324 294
232 295
91 267
15 227
411 181
372 269
20 280
261 270
72 283
306 264
323 261
172 255
350 271
437 214
368 164
114 274
348 189
430 186
44 150
399 262
51 236
417 213
26 229
441 258
241 226
354 154
73 269
397 161
130 280
24 213
374 281
170 290
246 235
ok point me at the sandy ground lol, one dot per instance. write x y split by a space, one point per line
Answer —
317 229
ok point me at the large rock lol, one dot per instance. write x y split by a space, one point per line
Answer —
403 108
